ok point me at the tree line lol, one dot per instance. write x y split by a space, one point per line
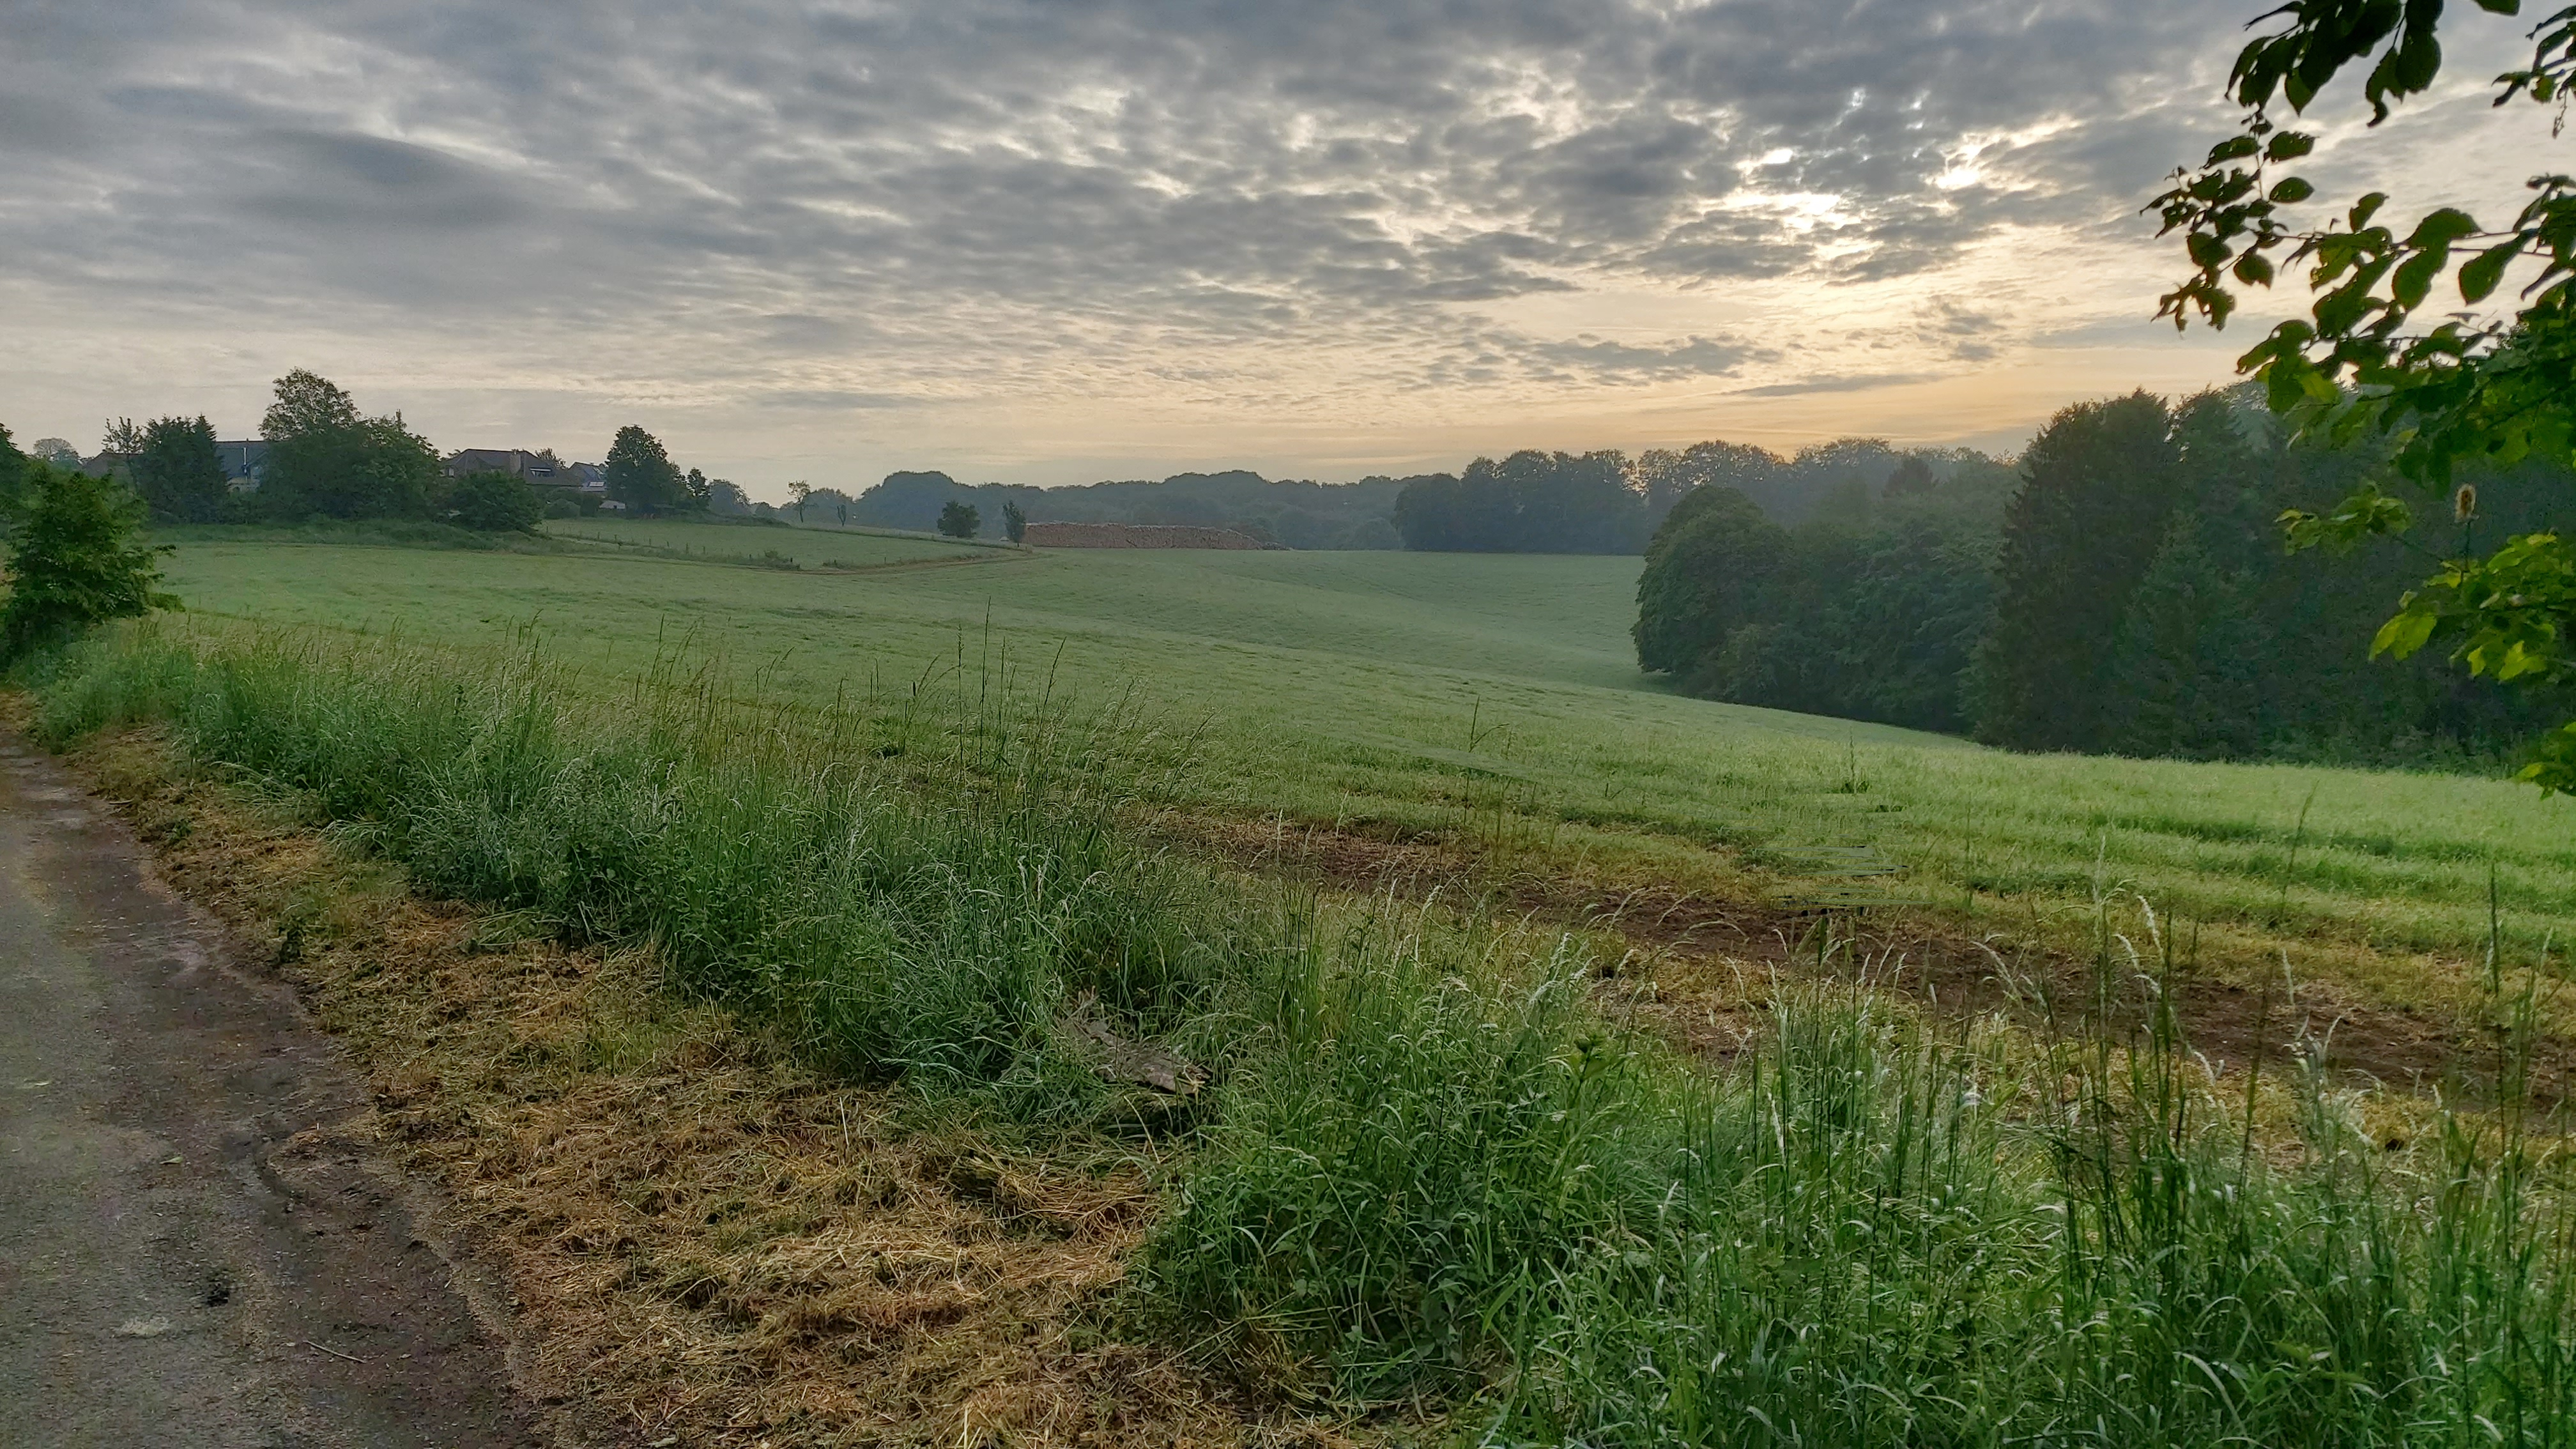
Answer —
326 459
1606 502
2124 590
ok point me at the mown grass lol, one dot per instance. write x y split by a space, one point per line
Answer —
1427 1171
1493 700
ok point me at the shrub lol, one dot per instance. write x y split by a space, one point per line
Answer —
73 561
495 502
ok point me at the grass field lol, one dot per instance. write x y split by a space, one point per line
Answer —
1494 698
1418 1167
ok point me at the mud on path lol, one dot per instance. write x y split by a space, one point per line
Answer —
199 1243
1703 968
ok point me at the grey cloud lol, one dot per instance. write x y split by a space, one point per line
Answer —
1621 361
834 400
1868 382
995 195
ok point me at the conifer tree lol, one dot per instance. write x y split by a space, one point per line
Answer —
2098 486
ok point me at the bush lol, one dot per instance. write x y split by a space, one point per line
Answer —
73 561
495 502
960 520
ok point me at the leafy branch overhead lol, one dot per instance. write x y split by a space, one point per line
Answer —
2410 336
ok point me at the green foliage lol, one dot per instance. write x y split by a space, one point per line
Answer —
57 451
306 404
933 919
641 475
1530 502
1704 565
372 468
13 477
74 562
177 472
1451 1182
495 502
960 520
2487 388
2181 666
1015 524
2100 481
325 460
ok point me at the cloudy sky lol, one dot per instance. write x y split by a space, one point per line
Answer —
1058 240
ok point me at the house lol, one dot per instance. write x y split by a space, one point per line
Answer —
590 478
245 462
539 468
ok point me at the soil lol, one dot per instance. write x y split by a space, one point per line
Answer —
201 1243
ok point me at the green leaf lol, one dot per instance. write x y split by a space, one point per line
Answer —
2232 148
2408 632
2254 270
2207 250
2292 190
2480 276
2443 227
2289 146
2366 208
2415 278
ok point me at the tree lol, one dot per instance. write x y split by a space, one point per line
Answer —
306 403
694 491
1912 476
177 473
960 520
1530 502
325 459
641 474
2099 483
1015 524
492 501
73 561
1702 568
121 438
2178 666
2493 386
797 493
14 466
370 468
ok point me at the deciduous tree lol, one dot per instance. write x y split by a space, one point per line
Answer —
177 472
2494 384
641 474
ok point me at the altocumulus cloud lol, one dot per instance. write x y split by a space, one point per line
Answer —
1310 208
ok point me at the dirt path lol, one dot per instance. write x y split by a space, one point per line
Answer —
197 1245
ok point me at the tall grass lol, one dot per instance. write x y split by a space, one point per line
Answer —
1865 1231
784 862
1428 1170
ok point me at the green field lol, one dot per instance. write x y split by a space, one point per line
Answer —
1429 1157
1493 698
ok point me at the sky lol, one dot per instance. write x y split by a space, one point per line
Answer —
1055 241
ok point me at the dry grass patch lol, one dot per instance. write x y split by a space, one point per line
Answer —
703 1241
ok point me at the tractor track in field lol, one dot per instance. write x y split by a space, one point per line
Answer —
1701 971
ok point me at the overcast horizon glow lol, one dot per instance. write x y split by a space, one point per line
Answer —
1053 242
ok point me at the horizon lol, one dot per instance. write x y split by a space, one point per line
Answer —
1021 244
